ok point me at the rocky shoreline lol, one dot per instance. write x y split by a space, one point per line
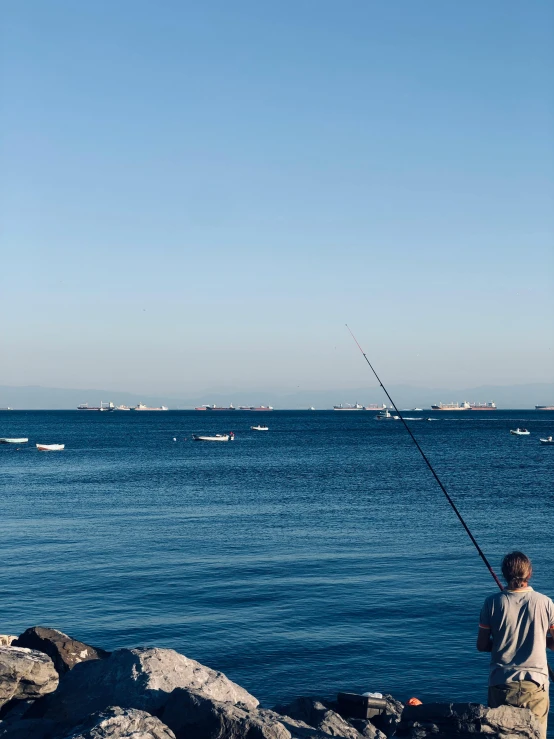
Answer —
55 687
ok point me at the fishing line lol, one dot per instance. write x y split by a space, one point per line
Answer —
428 463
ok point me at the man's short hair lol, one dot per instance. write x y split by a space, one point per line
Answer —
517 569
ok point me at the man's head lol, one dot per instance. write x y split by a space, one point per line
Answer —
517 569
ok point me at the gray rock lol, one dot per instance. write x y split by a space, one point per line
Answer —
29 729
467 721
314 713
24 674
120 723
64 651
190 714
134 678
366 728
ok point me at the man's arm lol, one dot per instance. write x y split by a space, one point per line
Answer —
484 639
550 639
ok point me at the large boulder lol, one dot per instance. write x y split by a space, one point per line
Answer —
64 651
120 723
314 713
134 678
24 674
189 714
467 721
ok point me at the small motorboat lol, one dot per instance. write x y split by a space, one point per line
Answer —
217 437
548 440
386 414
520 432
50 447
259 428
13 441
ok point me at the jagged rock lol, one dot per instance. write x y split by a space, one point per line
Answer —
24 674
6 640
64 651
120 723
29 729
314 713
189 714
390 718
134 678
366 728
467 721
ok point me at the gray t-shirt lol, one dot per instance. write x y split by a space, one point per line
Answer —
519 621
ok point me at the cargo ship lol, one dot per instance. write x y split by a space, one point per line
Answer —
465 406
348 407
255 408
216 408
102 407
141 407
544 407
374 407
483 406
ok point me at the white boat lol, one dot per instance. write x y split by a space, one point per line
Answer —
386 414
548 440
311 408
465 406
141 407
50 447
259 428
13 441
520 432
217 437
122 408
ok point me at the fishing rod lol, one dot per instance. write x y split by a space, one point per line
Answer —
428 463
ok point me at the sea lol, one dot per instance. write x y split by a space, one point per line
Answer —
319 556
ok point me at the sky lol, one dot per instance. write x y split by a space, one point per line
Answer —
200 195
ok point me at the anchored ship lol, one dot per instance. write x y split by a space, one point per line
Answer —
348 407
216 408
255 408
102 407
141 407
483 406
465 406
374 407
544 407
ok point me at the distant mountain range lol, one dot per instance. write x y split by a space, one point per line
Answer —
405 396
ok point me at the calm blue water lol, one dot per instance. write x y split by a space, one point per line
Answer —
316 557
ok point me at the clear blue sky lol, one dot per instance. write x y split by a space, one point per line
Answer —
199 194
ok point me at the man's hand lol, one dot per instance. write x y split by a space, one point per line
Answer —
484 640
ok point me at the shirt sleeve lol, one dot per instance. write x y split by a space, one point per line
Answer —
485 616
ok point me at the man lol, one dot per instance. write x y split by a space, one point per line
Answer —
516 626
